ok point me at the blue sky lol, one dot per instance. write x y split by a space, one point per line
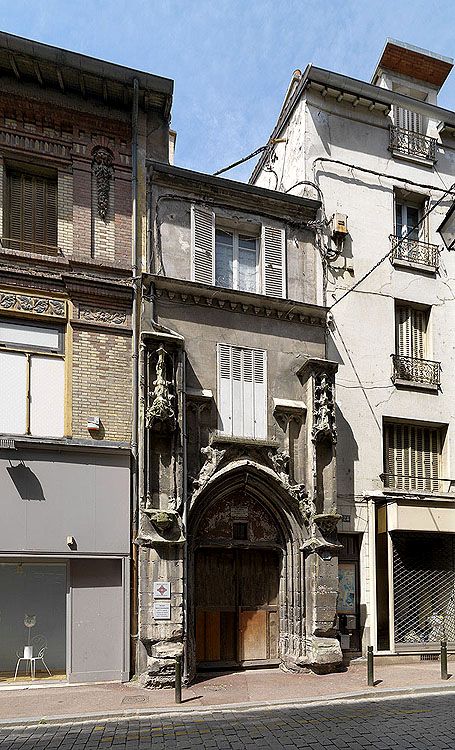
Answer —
232 59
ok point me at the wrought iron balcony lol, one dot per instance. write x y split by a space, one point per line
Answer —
417 483
414 251
410 143
414 370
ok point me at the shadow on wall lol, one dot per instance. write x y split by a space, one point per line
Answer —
26 482
347 454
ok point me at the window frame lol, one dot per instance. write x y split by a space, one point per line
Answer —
236 235
33 172
264 399
30 353
428 432
426 339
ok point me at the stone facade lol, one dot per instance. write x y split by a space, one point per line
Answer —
201 484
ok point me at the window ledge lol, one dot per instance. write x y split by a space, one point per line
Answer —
422 267
12 442
218 438
415 159
414 385
419 495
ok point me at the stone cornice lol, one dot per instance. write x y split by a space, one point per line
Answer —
231 300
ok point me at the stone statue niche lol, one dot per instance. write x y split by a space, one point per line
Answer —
324 437
163 456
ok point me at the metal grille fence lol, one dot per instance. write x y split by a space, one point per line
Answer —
424 588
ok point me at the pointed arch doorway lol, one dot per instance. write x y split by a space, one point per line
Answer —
237 569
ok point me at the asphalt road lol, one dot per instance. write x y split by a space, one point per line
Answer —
420 722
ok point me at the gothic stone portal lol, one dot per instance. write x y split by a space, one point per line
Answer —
239 564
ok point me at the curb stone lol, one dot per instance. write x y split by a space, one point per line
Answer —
165 711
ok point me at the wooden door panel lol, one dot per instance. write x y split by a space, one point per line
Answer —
212 636
253 635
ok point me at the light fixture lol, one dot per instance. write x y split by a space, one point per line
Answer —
447 228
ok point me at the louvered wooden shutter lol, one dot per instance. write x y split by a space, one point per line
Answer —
225 389
32 212
260 393
412 456
273 262
203 245
407 119
411 332
242 391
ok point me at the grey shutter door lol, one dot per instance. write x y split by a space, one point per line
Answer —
273 262
203 245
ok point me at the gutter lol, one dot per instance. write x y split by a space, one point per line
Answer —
134 624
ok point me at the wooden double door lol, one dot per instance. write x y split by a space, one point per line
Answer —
236 597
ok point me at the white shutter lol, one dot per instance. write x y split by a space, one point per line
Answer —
13 386
225 389
248 395
203 245
404 331
260 394
273 262
47 396
419 328
237 390
45 337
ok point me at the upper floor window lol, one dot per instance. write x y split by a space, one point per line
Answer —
412 456
407 219
31 212
411 359
235 259
410 238
407 137
31 379
242 391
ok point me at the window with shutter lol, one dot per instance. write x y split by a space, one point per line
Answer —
242 397
412 456
411 331
31 221
232 259
31 378
407 119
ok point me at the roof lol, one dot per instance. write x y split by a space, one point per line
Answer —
414 62
357 93
221 183
55 68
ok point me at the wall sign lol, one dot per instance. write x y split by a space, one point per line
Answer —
162 610
161 590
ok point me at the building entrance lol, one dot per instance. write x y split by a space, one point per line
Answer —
236 593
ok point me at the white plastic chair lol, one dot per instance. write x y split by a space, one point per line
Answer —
40 644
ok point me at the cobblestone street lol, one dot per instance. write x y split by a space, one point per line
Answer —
404 724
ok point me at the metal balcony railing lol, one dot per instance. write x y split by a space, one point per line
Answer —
414 251
415 370
410 143
417 483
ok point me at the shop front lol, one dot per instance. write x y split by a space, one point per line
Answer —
415 575
64 566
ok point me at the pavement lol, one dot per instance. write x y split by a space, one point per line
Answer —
417 723
249 689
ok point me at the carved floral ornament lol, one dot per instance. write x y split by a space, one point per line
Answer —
26 303
103 171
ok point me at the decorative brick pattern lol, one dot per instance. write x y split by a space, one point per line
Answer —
102 383
65 212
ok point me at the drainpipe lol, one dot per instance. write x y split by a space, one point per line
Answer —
135 377
185 526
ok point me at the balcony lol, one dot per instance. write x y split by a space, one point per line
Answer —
417 483
422 373
411 144
406 250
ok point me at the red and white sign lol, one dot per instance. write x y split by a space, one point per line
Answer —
161 590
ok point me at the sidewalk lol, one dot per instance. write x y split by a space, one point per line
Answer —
254 687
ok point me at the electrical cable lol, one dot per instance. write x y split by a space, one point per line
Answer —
402 239
241 161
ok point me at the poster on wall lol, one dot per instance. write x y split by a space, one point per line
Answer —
346 589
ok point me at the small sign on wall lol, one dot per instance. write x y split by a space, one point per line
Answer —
161 590
162 610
